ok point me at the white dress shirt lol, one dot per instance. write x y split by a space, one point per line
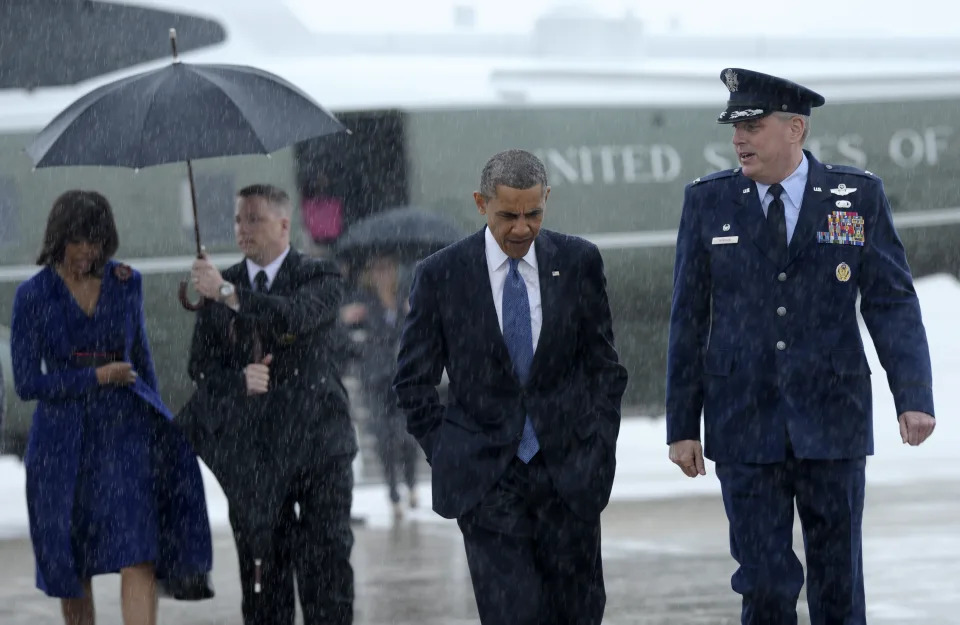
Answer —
792 196
271 270
498 267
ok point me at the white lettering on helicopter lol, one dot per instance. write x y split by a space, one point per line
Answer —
611 164
907 148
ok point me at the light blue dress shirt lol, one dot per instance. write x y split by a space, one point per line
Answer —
793 188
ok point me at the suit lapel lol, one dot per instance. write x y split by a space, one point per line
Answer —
478 297
816 198
282 279
749 214
546 251
237 275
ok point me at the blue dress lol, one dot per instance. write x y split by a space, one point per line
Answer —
111 481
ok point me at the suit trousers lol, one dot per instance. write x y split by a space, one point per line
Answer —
759 501
312 541
532 560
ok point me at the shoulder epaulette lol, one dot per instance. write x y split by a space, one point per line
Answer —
717 175
847 169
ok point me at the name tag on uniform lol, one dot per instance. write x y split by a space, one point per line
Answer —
725 240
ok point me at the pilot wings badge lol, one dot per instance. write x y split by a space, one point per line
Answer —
731 80
842 190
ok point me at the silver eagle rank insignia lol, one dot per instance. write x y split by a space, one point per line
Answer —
731 80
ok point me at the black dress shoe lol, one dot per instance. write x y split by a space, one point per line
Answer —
191 588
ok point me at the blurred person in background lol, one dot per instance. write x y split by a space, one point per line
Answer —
112 484
374 315
764 340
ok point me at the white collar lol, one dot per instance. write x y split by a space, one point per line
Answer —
271 270
496 257
793 185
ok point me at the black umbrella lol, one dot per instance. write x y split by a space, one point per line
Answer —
50 43
407 233
181 112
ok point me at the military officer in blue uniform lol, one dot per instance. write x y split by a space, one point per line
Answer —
764 340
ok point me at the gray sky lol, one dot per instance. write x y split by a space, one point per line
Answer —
857 18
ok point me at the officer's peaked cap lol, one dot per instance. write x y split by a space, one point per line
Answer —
754 95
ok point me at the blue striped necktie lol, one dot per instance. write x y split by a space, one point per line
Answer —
518 335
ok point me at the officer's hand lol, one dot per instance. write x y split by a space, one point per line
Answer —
688 455
916 427
258 376
206 277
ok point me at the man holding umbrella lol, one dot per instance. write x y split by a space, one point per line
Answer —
270 416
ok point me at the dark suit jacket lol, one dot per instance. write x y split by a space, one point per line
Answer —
767 347
572 396
303 419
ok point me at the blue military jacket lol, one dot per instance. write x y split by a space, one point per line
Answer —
769 348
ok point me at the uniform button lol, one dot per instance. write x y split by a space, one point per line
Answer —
781 345
296 372
781 311
782 277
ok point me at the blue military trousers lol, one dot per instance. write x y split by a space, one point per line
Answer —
759 501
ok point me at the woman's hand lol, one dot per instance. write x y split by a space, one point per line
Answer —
119 373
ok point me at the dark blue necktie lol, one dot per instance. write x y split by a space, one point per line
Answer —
260 281
777 221
518 335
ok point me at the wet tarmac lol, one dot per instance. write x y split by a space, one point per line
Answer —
666 562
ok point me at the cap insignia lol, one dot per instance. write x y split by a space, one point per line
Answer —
731 80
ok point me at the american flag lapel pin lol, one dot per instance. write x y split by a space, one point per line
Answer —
554 273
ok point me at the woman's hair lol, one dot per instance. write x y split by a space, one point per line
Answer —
79 216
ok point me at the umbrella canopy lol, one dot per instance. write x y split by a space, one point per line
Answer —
51 43
178 113
407 233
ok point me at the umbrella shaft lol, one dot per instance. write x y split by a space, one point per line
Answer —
193 203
